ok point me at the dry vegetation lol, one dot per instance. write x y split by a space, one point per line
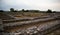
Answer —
26 14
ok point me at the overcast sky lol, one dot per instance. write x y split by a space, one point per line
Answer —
30 4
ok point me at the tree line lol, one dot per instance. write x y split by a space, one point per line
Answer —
12 10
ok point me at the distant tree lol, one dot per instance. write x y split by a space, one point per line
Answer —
54 11
49 11
37 11
1 11
12 9
27 10
23 10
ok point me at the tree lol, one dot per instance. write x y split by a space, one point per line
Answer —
12 9
27 10
23 10
54 11
49 11
1 11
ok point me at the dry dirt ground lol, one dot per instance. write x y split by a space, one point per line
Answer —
16 15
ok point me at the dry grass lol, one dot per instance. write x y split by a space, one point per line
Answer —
30 14
26 14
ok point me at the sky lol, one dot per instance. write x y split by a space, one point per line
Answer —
30 4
